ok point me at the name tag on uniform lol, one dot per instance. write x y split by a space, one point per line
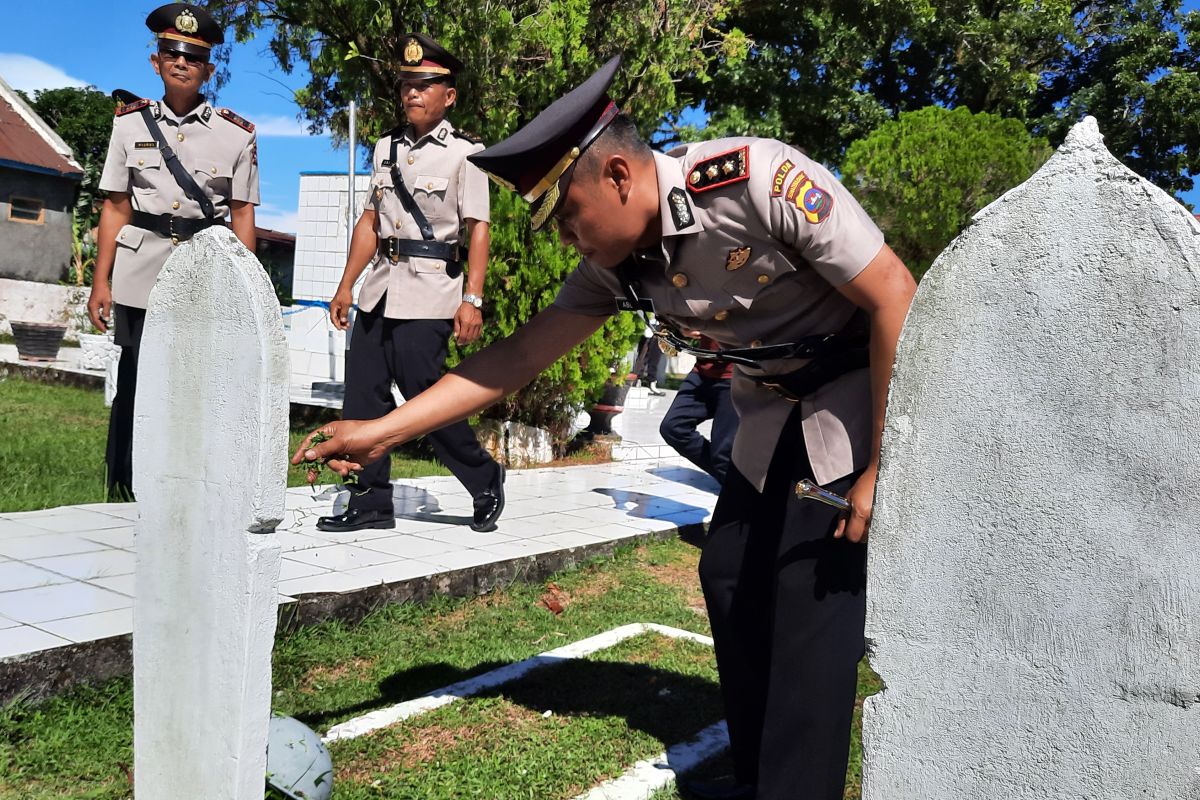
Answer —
145 145
643 304
387 162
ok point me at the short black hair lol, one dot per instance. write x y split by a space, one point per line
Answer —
621 136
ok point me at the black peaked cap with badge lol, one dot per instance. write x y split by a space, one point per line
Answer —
425 59
186 28
537 161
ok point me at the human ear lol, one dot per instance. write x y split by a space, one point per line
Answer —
617 170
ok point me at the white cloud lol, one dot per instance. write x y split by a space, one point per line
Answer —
277 219
277 125
30 74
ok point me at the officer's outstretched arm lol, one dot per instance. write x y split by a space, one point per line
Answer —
481 380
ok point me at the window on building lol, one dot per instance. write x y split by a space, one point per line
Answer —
22 209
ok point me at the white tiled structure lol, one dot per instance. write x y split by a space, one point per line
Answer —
316 348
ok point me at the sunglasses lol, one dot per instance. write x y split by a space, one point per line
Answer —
191 59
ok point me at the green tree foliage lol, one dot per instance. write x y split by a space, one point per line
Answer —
520 56
824 73
923 175
83 118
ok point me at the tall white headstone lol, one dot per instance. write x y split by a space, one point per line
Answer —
209 473
1034 578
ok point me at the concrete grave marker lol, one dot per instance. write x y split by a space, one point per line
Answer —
1034 579
209 472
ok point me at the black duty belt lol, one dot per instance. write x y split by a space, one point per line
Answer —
830 355
177 229
392 249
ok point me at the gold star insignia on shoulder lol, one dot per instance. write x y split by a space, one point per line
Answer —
719 170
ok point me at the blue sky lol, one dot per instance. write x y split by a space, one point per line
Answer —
73 43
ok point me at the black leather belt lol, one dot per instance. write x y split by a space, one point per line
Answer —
177 229
392 249
800 383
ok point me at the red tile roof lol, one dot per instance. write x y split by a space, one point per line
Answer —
22 145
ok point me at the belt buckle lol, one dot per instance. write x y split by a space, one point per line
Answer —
780 390
393 251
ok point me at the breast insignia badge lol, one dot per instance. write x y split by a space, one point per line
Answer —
737 258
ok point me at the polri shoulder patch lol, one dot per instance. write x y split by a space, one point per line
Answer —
228 115
128 108
720 170
470 137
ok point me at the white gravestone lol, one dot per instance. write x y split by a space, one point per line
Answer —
210 442
1034 578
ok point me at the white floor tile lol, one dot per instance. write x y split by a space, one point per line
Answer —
51 544
17 575
89 566
396 571
408 546
59 602
115 537
341 557
122 583
290 570
24 639
463 559
69 519
325 582
93 626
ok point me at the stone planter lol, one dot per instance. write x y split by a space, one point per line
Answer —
96 350
38 341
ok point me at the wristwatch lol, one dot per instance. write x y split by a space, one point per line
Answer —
473 299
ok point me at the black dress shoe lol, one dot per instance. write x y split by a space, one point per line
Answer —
720 789
488 505
356 519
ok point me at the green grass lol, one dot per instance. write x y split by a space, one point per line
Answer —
54 439
606 712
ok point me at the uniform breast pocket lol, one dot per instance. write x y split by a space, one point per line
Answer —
145 170
427 265
215 179
431 186
130 238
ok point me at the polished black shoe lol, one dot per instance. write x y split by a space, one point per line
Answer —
488 505
719 789
356 519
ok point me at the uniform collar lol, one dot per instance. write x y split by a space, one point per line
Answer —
440 133
676 210
202 113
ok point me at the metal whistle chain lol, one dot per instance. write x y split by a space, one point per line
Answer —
808 489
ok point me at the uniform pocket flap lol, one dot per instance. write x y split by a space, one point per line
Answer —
130 236
144 159
430 184
210 170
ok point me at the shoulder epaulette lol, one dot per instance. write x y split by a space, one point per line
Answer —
244 124
470 137
128 108
719 170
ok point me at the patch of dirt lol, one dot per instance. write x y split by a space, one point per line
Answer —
321 676
555 599
429 742
459 617
682 575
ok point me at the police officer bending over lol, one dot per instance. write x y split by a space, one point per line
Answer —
756 246
175 166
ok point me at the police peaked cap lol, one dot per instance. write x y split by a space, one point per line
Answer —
424 59
186 28
537 161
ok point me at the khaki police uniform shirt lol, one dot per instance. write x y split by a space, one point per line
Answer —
219 154
449 190
756 262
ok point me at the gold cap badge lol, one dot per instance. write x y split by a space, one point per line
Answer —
413 52
186 22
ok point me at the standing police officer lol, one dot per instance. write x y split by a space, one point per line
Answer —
753 244
423 194
174 167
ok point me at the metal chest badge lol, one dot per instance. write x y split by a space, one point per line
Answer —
737 258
